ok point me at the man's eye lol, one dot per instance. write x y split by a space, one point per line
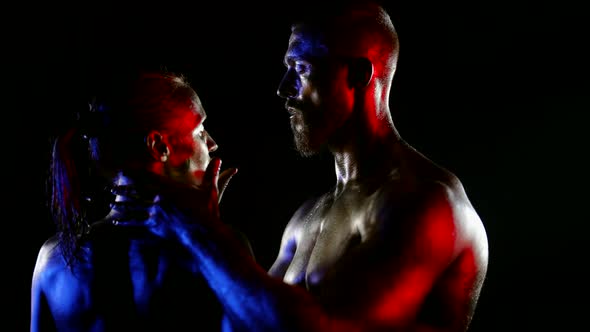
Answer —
301 68
201 134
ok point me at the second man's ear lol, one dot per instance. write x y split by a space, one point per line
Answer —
360 72
157 146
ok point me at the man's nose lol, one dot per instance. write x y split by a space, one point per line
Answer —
287 87
211 143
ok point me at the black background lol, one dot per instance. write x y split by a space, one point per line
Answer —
497 92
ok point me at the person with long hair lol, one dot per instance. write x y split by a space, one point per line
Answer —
118 169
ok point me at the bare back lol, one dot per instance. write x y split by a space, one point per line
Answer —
402 247
130 281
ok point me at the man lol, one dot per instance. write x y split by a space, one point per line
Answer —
395 221
107 273
396 245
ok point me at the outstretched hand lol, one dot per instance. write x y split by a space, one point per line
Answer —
201 201
183 206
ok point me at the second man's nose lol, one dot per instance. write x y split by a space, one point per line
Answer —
287 87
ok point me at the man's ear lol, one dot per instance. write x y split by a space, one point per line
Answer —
360 72
157 146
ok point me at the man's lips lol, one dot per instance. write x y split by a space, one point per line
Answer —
292 110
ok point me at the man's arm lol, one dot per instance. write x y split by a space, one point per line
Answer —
397 282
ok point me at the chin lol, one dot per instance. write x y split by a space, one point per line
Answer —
304 147
307 144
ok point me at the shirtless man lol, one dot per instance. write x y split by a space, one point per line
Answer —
397 239
396 245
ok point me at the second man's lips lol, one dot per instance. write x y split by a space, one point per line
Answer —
291 108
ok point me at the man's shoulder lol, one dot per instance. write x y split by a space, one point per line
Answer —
417 186
428 175
424 200
441 206
307 206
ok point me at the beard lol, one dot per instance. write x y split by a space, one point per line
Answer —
302 136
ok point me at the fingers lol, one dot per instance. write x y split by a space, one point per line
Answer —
212 172
224 179
218 181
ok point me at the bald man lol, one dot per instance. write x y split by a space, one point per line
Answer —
395 245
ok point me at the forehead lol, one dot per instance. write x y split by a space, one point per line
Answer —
188 116
198 109
307 43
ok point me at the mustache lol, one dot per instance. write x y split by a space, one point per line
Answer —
295 105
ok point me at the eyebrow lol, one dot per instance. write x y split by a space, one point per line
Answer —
298 57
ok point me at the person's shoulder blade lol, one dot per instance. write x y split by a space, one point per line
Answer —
49 257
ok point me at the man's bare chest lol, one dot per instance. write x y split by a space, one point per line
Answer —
330 229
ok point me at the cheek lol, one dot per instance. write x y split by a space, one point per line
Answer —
200 157
198 163
334 103
341 96
197 177
183 148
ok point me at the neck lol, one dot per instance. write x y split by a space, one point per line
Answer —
367 157
135 198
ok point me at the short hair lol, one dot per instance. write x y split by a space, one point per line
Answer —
355 28
109 138
131 105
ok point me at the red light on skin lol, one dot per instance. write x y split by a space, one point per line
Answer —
395 305
427 251
69 187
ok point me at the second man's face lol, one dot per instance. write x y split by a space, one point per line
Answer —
199 160
315 87
190 152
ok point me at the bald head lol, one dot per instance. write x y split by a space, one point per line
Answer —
354 29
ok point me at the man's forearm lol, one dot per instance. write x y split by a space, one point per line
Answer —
252 299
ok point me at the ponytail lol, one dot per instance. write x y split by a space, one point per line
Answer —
65 191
